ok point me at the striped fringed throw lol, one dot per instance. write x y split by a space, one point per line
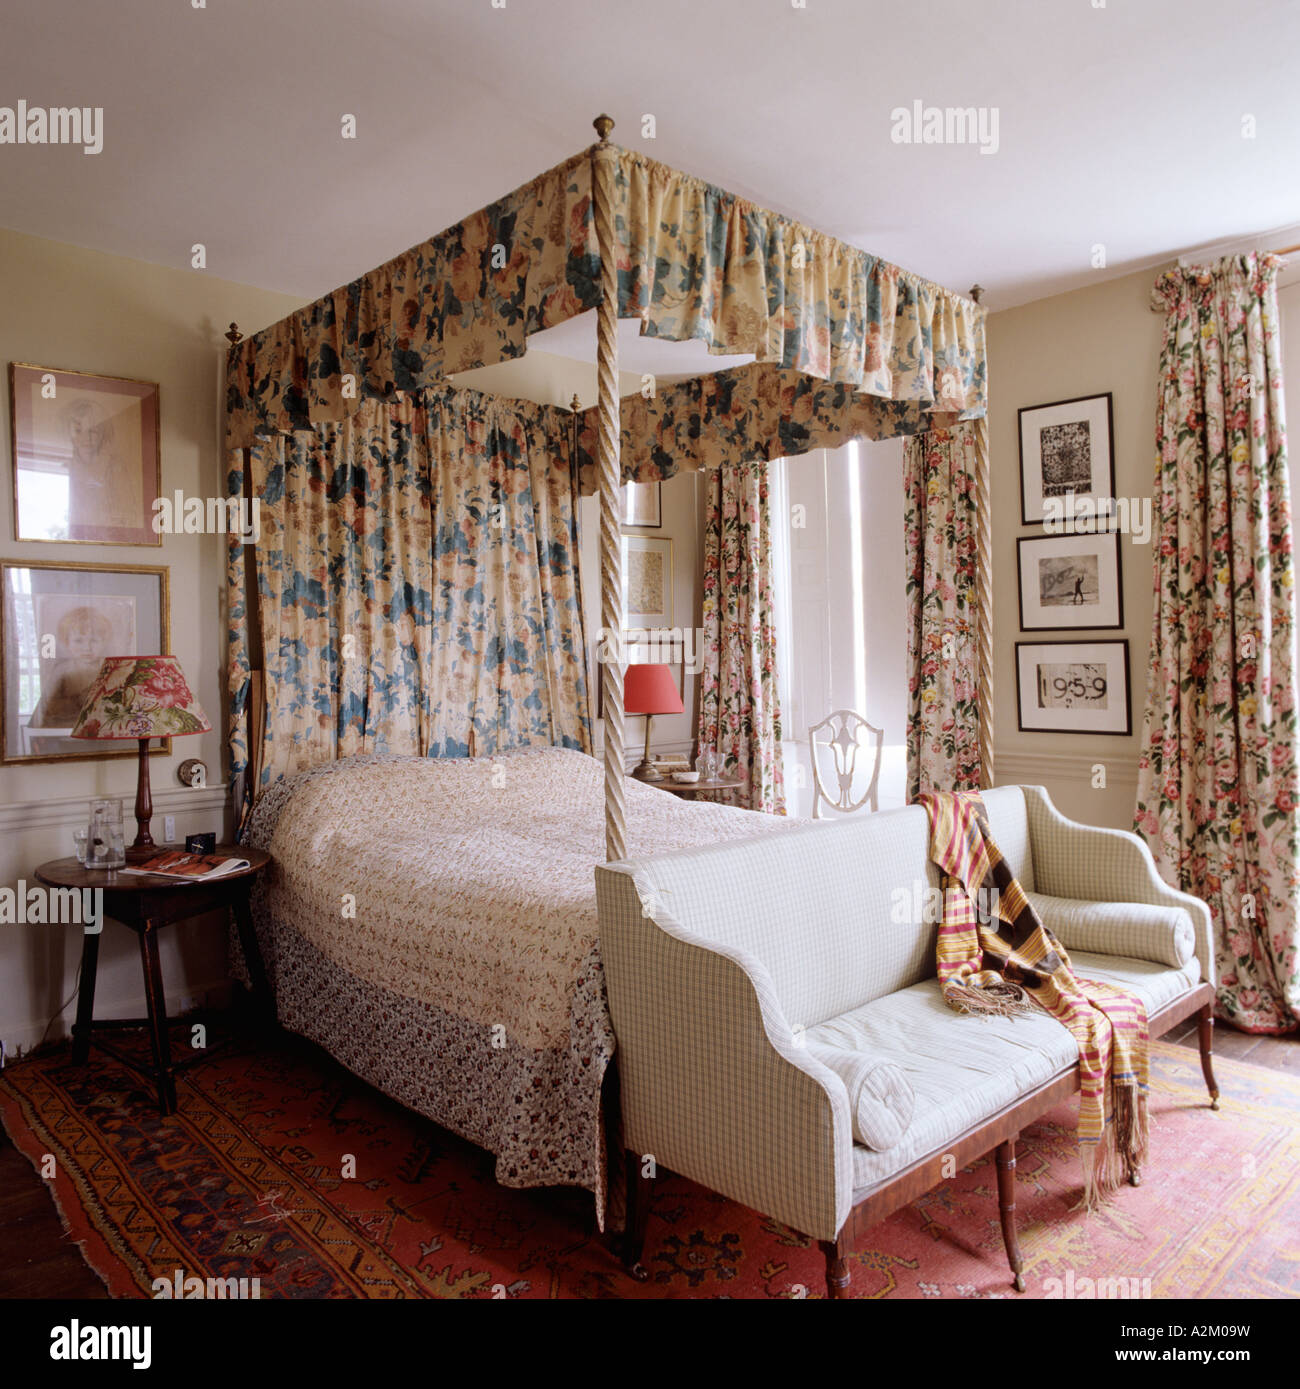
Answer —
982 970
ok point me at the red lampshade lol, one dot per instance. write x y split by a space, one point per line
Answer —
649 689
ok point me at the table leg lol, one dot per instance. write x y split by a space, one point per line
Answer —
156 1005
263 1004
86 997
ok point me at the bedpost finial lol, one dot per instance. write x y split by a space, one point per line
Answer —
604 124
976 291
575 404
234 337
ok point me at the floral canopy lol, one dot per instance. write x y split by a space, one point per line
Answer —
846 344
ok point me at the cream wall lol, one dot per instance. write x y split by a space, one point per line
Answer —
86 311
1093 340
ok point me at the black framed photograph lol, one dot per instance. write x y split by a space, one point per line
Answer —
1073 686
86 456
643 504
57 623
1067 454
1070 581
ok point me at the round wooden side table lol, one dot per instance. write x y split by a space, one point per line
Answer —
146 903
690 789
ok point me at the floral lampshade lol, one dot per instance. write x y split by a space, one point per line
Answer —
140 697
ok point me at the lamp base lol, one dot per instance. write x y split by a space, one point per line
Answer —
647 771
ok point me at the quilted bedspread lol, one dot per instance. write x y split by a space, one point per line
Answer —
433 924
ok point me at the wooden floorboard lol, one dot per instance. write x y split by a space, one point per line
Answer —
37 1259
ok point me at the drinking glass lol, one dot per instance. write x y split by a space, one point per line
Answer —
79 841
105 848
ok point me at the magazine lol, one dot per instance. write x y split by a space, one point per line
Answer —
176 863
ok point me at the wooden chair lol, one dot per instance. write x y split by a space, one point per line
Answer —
844 736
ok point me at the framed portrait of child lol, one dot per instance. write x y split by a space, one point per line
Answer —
87 462
57 624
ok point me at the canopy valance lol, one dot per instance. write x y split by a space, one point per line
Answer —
693 262
744 415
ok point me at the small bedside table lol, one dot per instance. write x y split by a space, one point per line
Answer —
690 789
146 904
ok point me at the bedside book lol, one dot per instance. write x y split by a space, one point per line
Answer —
193 868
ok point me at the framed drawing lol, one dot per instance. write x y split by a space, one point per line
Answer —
643 504
87 466
1067 449
647 582
1069 581
1073 687
57 623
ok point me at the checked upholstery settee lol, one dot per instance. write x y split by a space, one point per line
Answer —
782 1039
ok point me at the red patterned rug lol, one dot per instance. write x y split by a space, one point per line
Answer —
246 1181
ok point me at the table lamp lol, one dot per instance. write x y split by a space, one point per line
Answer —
650 690
140 697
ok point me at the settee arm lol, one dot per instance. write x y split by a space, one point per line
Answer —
1095 864
715 1085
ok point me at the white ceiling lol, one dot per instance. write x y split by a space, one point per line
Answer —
1118 125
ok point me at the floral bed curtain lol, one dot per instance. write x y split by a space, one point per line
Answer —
417 586
740 715
1217 784
942 634
695 262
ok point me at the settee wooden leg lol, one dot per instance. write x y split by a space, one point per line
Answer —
638 1209
1205 1037
1006 1161
837 1266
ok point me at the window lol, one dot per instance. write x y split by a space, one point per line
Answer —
840 594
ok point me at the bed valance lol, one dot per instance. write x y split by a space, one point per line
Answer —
747 414
693 262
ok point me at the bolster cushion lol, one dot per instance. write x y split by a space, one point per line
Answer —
1163 935
880 1097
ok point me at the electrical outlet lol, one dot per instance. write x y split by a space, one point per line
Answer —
169 829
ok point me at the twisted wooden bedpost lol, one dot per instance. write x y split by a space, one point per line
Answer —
607 457
984 589
984 599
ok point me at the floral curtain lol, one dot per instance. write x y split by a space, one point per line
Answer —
740 715
694 262
417 586
1217 785
942 631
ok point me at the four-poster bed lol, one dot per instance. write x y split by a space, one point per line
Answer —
417 593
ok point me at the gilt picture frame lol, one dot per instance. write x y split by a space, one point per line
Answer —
642 505
87 456
647 581
57 622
